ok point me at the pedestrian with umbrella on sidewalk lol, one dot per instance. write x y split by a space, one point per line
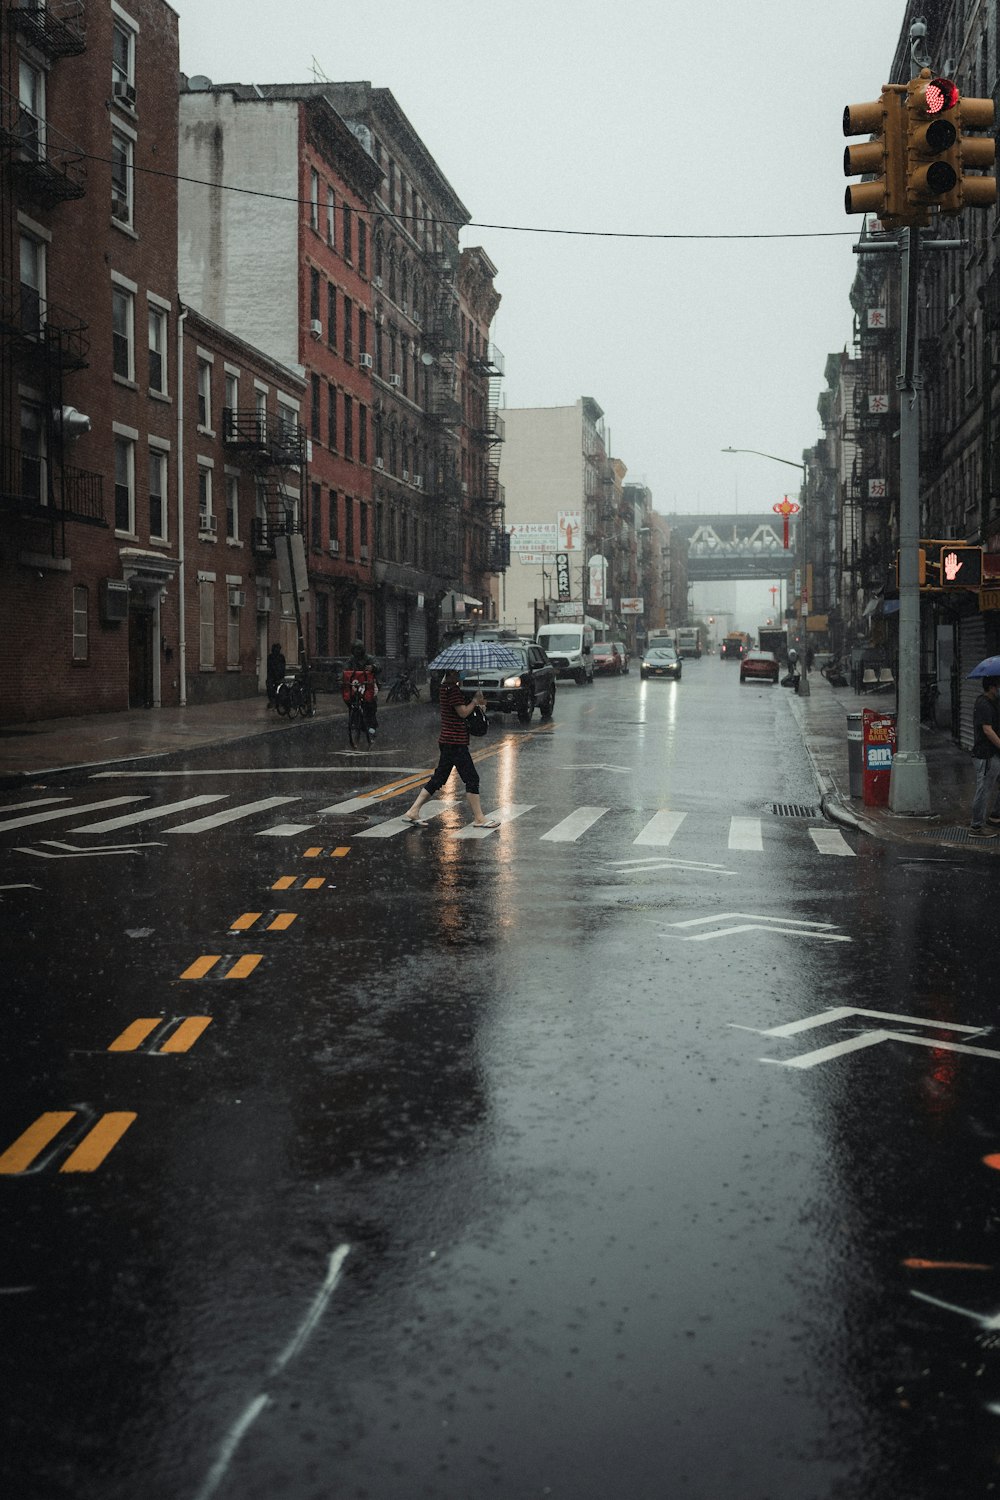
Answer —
986 749
456 707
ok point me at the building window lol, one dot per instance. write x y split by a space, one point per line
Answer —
346 237
362 434
331 315
363 529
314 200
158 351
121 178
206 624
232 507
206 519
122 333
125 485
349 525
348 426
348 329
316 517
204 394
314 294
31 110
362 247
362 331
330 217
322 624
157 494
81 623
32 285
233 636
34 479
232 405
314 407
331 416
122 63
333 531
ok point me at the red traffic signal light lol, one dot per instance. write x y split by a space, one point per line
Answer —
961 567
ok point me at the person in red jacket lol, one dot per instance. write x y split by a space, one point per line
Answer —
453 743
362 668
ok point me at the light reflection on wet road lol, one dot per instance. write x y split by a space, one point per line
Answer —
476 1182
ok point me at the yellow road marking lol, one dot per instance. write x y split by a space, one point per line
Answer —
98 1141
133 1036
186 1034
18 1158
244 966
315 884
339 853
201 966
246 921
282 921
285 883
312 854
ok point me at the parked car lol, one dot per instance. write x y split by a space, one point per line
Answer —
607 659
520 689
661 661
759 666
622 650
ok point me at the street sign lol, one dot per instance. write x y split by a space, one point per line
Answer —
632 606
563 584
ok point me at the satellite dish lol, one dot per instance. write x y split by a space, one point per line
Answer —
199 83
426 358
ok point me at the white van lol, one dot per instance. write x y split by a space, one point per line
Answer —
570 648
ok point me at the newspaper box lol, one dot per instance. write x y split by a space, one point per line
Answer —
878 743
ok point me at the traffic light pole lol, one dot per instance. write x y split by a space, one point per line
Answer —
909 790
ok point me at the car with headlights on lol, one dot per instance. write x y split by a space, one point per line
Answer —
759 666
516 689
660 661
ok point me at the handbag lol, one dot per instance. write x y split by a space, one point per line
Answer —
477 723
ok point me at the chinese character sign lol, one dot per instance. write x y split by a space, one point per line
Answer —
532 536
877 489
570 530
878 402
877 317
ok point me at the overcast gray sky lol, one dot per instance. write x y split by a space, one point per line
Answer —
641 116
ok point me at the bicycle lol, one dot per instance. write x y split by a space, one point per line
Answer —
296 696
358 731
402 688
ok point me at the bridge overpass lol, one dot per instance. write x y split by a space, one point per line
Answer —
735 547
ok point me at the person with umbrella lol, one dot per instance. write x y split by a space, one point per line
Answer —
453 742
986 750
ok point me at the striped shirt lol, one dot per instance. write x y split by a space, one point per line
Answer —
453 729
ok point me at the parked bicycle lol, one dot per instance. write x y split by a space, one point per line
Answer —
402 688
836 673
296 695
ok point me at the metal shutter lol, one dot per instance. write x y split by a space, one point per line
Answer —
972 649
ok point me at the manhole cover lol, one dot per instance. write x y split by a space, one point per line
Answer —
792 810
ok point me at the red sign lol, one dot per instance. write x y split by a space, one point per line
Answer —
786 508
878 746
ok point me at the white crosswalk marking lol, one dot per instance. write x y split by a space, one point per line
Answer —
661 828
501 815
831 841
64 812
108 825
393 826
35 802
284 830
571 828
746 833
230 815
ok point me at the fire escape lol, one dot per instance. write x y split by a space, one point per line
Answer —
272 448
441 340
868 549
40 342
490 555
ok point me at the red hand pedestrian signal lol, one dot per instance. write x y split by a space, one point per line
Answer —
961 567
952 566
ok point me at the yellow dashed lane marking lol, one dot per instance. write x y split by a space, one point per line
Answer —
247 920
98 1141
285 883
201 966
339 853
204 966
315 884
18 1158
187 1033
282 921
133 1036
244 966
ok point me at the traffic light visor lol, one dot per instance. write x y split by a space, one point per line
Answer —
939 94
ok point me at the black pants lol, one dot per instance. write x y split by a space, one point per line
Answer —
454 758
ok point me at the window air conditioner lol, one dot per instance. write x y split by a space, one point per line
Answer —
264 604
333 547
364 551
315 329
395 380
418 480
377 282
380 318
366 361
208 523
237 598
380 463
406 475
119 209
123 90
465 488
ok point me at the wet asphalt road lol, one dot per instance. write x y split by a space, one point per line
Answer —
460 1167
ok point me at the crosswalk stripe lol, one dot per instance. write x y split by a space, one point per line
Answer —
499 815
394 826
63 812
571 828
35 802
147 814
230 815
284 830
661 828
831 841
746 833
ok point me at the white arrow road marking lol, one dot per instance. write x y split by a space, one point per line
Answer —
70 851
750 916
842 1012
661 828
654 862
571 828
62 812
790 926
617 770
872 1039
23 886
985 1320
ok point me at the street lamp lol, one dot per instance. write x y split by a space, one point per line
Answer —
803 687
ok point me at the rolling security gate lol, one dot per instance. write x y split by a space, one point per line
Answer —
972 649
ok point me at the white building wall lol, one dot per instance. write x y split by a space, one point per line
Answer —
542 470
239 252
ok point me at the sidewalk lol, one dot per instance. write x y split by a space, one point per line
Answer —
951 772
45 747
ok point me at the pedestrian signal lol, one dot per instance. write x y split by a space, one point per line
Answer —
961 567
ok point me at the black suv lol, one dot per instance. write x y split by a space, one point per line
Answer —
517 689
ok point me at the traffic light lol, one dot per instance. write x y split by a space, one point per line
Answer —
922 579
961 567
882 158
940 153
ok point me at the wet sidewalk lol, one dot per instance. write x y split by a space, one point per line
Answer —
951 771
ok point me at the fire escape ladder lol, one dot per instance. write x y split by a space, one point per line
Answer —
271 447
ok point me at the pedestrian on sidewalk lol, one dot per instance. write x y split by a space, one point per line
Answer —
275 673
986 750
453 743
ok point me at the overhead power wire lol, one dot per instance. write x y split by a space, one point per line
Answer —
594 234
